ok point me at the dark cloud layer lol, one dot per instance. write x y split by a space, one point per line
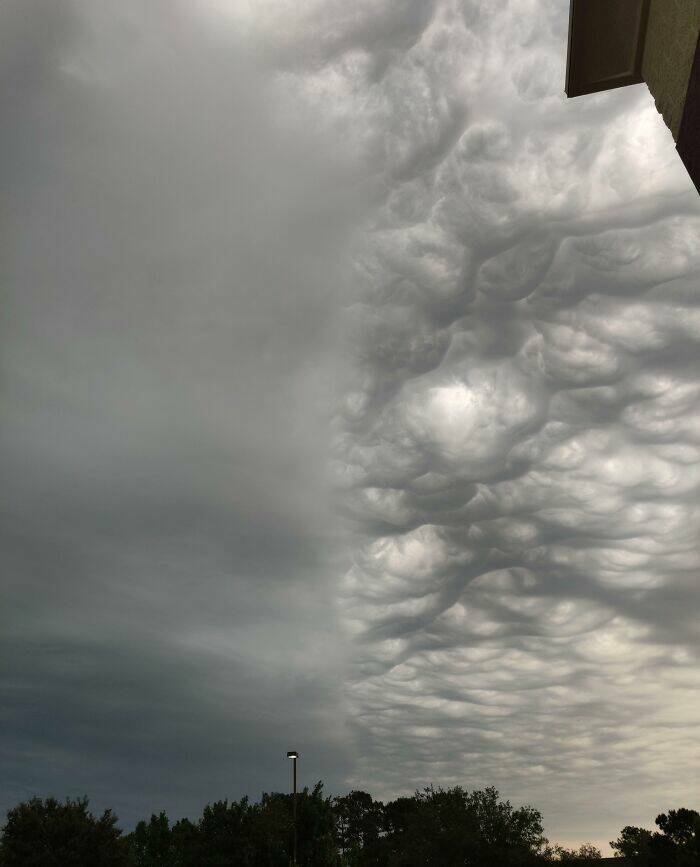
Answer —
515 439
173 250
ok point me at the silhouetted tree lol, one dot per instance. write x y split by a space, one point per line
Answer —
434 827
453 827
676 845
583 855
186 844
315 827
151 844
682 828
273 830
316 831
634 843
358 825
226 834
44 833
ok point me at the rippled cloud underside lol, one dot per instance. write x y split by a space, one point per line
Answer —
519 439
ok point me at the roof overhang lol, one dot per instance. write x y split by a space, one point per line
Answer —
606 44
688 145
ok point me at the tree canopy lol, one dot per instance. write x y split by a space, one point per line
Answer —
434 826
42 833
676 844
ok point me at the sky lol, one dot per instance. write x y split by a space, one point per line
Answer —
350 404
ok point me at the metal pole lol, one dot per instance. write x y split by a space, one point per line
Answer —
295 810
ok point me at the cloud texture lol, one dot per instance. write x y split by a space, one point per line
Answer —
516 437
519 443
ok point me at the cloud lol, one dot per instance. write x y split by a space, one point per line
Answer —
517 440
195 192
174 255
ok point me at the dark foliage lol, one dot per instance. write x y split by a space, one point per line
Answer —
676 844
44 833
454 827
359 824
151 843
585 854
240 833
436 827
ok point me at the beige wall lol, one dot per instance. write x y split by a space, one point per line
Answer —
672 34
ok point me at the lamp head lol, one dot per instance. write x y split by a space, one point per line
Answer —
292 754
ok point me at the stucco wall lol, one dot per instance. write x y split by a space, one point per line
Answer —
672 33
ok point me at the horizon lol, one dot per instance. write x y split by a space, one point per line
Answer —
603 846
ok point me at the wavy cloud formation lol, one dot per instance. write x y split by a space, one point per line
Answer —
519 438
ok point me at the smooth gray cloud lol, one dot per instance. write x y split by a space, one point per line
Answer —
173 253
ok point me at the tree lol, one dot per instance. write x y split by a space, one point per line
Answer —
517 833
358 822
682 828
186 844
225 837
582 855
452 827
273 830
315 828
678 844
403 825
44 833
151 845
634 843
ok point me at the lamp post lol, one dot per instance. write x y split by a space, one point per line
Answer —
294 755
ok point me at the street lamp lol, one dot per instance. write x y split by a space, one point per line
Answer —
294 755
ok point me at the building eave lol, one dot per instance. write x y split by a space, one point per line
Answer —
605 44
688 145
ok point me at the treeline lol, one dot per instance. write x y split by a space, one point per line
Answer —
440 827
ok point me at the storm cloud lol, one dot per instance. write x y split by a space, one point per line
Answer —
257 251
519 442
173 252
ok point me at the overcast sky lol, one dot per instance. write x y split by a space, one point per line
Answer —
349 403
